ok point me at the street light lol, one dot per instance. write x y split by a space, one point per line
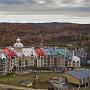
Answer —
34 78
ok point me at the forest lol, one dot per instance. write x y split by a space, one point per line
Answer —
46 34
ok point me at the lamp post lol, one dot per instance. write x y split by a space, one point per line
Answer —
34 78
8 74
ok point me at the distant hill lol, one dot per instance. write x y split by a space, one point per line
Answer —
44 33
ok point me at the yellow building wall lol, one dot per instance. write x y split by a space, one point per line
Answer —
72 79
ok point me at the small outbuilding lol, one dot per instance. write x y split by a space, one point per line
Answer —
26 83
57 84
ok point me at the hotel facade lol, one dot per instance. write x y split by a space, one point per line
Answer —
22 58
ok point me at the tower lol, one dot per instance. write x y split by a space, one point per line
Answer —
18 45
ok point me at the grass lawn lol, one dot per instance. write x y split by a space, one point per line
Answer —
85 89
41 81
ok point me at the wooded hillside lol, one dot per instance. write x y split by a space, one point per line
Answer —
44 33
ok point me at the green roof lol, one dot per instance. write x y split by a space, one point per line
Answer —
60 51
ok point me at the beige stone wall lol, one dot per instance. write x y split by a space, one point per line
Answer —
73 64
24 62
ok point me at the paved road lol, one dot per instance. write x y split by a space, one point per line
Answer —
17 87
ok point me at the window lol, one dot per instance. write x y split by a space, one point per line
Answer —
82 81
26 62
66 63
20 62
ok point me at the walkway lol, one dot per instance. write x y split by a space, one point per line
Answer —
4 86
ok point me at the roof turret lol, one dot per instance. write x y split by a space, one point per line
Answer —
18 43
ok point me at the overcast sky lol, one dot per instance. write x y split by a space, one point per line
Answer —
76 11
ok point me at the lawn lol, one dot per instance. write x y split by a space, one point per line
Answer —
41 80
84 89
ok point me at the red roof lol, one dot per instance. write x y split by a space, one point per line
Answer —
10 54
40 52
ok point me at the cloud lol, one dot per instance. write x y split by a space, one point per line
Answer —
43 18
10 2
40 1
79 8
21 2
46 2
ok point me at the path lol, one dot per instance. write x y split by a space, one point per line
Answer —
17 87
